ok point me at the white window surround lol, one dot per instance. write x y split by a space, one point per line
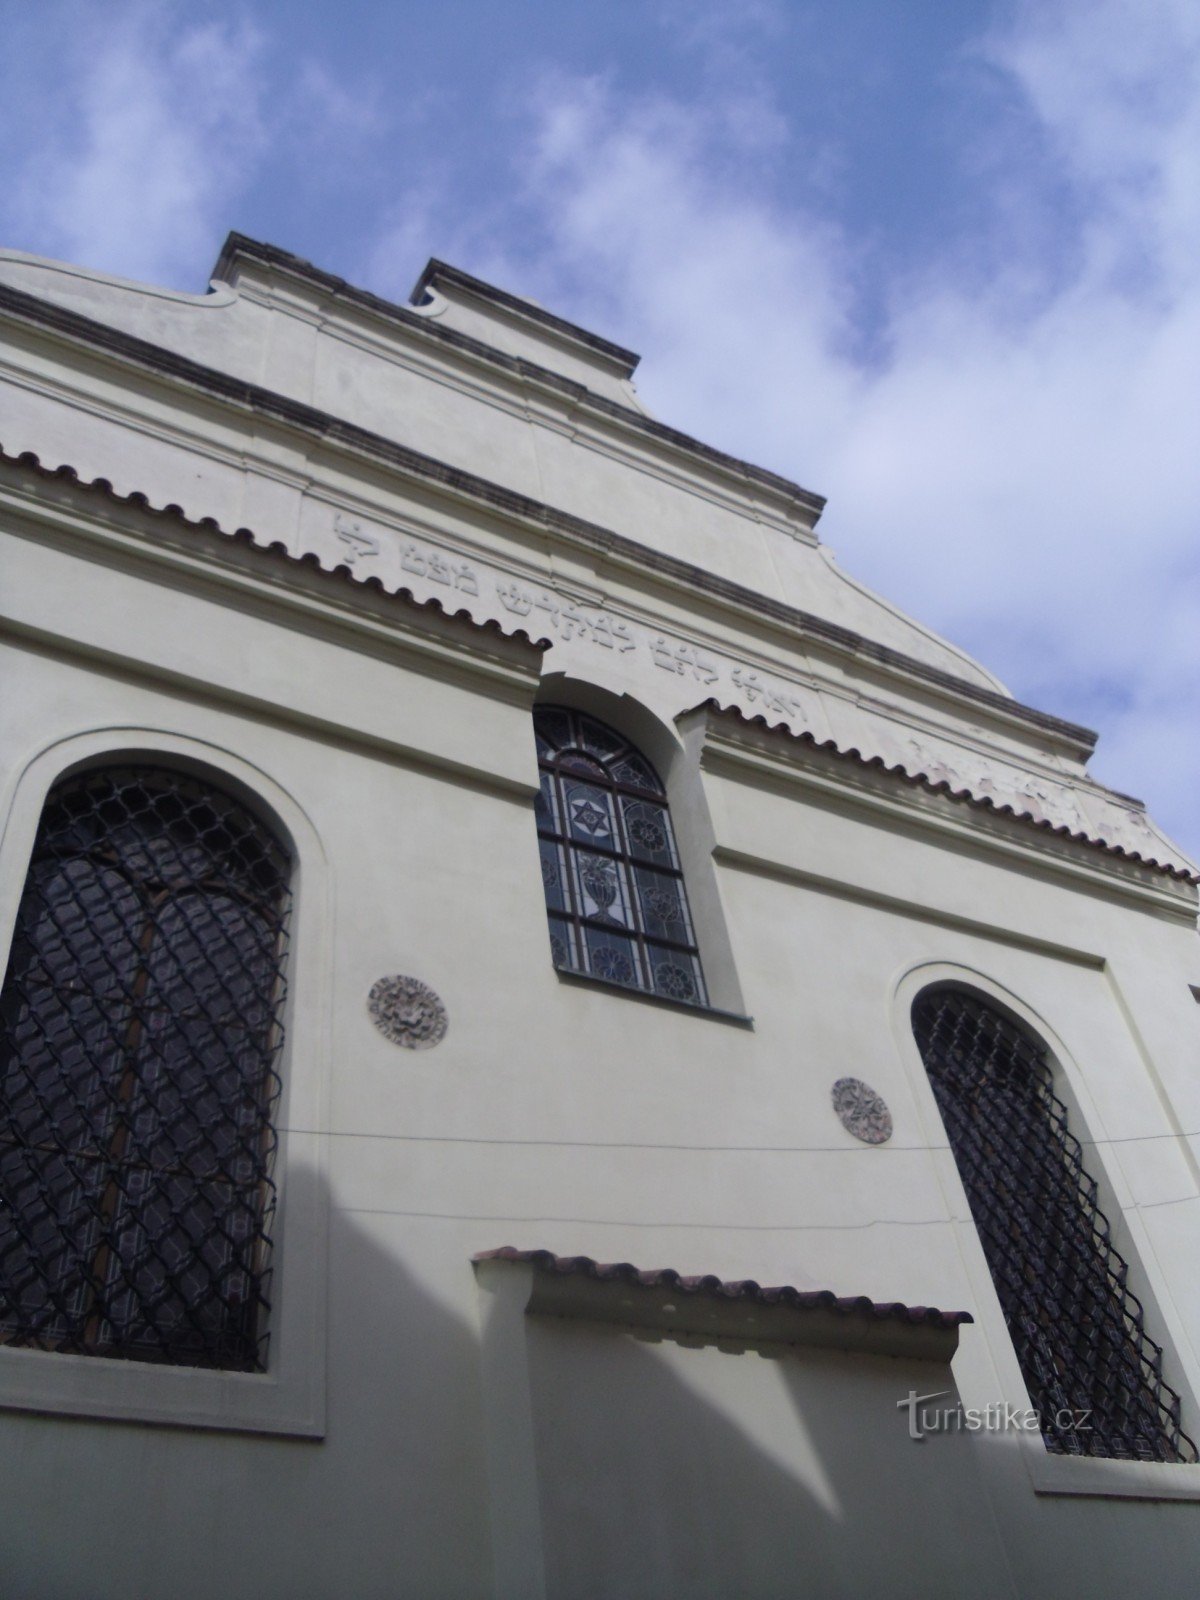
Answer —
1048 1473
678 767
289 1398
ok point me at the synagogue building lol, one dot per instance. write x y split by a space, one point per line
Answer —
553 1045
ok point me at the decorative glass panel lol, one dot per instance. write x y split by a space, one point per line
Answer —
601 741
553 730
648 830
632 770
1093 1373
139 1028
562 943
553 875
611 957
614 890
589 813
663 910
602 889
547 804
676 975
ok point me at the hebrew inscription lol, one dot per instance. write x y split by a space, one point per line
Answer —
562 618
357 542
682 658
439 569
546 612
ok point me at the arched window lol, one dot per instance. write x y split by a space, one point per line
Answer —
614 888
1093 1373
139 1031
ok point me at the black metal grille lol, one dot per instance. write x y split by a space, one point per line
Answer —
1093 1373
614 887
139 1030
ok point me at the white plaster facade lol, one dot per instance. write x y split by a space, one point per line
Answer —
456 508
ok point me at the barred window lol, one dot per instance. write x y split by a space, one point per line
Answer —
614 888
139 1036
1093 1373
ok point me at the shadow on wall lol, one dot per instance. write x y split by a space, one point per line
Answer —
663 1469
392 1501
677 1469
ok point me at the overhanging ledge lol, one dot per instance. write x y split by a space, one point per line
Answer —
741 1312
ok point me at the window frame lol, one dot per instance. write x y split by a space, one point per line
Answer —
992 1374
628 867
289 1396
1024 1145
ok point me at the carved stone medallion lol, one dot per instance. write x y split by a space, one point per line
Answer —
862 1112
407 1012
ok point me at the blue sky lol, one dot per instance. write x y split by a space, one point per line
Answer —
940 262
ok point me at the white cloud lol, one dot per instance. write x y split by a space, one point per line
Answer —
1114 86
411 232
156 128
348 113
665 239
1021 471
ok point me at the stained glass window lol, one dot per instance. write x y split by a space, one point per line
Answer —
1093 1373
614 887
139 1034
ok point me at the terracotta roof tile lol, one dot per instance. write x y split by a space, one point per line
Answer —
742 1289
337 432
245 536
981 802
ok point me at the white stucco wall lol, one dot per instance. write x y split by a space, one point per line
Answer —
396 744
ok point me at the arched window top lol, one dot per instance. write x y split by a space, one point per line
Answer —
614 887
1093 1373
575 742
161 826
139 1031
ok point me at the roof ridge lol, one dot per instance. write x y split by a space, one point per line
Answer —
241 244
336 431
436 271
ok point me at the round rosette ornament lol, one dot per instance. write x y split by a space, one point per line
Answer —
861 1111
407 1012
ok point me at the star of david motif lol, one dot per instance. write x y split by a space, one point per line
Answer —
589 816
